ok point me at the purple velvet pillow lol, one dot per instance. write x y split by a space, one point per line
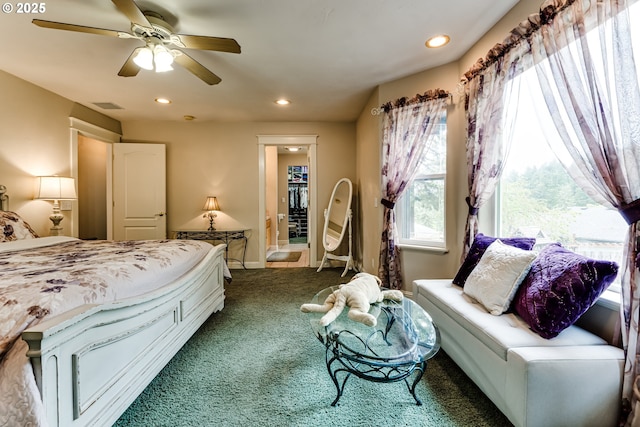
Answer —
479 245
560 287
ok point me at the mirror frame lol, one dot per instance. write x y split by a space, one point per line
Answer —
327 215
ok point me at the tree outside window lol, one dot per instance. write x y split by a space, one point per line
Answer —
421 209
537 197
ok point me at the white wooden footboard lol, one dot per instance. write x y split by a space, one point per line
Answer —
92 363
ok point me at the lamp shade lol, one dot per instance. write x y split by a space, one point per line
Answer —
162 58
144 58
211 204
56 188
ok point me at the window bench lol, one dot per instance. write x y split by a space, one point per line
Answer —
574 379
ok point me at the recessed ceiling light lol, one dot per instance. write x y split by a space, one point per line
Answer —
438 41
283 102
292 148
163 101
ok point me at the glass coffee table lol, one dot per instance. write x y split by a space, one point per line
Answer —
396 349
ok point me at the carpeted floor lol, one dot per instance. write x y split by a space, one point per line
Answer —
257 363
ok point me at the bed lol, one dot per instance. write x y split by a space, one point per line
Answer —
86 325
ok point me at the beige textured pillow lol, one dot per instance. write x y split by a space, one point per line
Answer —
13 227
495 280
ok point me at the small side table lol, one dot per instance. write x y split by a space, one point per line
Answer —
396 349
225 236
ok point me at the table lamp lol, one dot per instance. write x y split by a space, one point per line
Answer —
56 188
211 205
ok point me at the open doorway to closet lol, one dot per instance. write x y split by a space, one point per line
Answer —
292 207
287 200
298 195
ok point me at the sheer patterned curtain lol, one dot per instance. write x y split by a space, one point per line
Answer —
586 69
488 88
584 60
407 124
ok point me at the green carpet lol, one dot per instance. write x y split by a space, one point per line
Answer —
257 363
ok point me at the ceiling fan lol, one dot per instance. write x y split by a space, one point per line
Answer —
162 45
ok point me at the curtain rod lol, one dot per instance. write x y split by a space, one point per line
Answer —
427 96
547 13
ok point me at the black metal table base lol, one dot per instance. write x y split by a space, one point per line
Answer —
373 371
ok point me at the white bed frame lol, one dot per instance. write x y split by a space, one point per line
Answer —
92 362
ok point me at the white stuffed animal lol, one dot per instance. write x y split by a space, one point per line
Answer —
358 294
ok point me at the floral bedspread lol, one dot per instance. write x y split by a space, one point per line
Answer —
40 278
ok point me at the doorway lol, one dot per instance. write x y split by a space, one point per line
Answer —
92 146
92 188
287 199
298 200
292 206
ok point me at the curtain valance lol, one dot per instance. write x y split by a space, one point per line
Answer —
548 11
418 98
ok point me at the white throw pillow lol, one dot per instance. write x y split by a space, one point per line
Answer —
495 280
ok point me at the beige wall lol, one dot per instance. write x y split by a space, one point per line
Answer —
34 140
221 159
367 212
271 191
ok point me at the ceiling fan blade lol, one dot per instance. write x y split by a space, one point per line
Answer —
197 69
210 43
133 12
129 68
78 28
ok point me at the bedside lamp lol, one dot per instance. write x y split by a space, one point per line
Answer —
56 188
211 205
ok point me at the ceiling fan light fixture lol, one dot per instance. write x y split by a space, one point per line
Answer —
153 30
161 68
144 58
162 59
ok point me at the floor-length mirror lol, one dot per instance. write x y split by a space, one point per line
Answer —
337 225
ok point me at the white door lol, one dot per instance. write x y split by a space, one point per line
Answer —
139 191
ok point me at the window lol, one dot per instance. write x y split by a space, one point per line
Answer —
537 197
420 211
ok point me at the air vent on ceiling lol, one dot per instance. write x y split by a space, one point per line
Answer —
107 105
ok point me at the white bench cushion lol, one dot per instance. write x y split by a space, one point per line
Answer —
499 333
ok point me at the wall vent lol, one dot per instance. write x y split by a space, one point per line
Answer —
107 105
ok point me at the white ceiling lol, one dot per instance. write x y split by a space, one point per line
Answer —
326 56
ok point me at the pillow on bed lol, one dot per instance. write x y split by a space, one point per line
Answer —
479 245
12 227
559 288
495 280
